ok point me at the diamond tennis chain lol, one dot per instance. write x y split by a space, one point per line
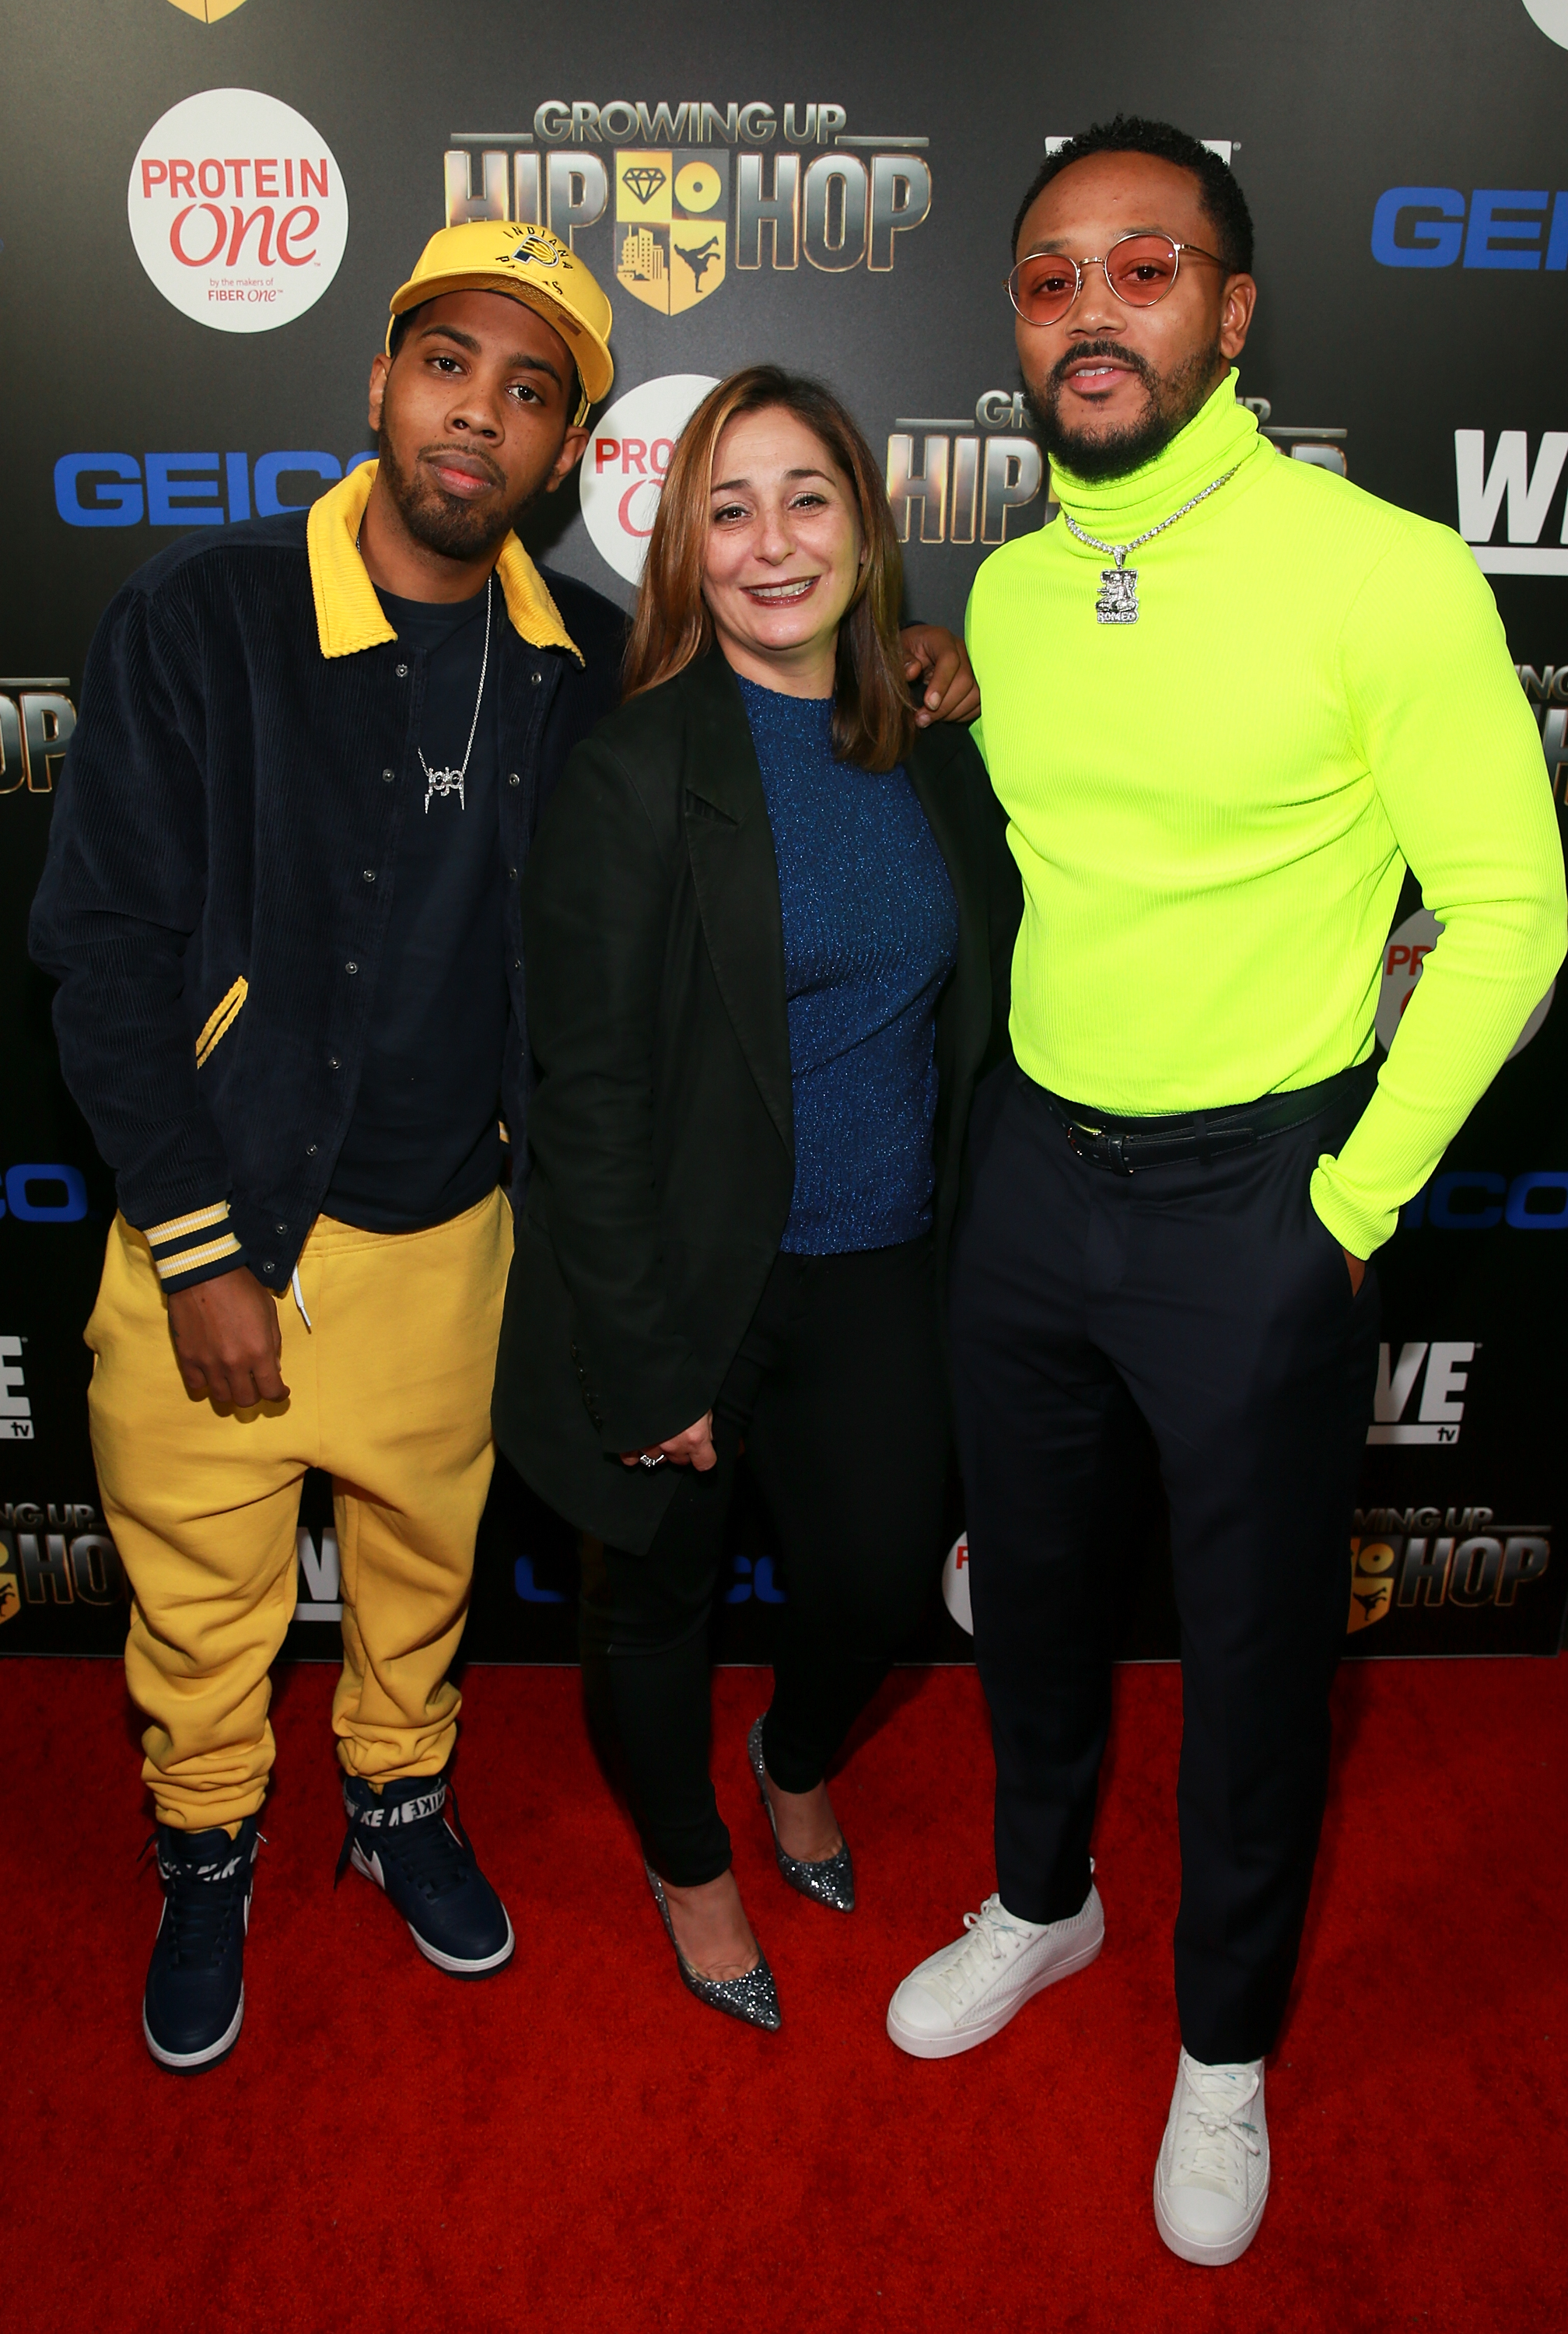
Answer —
1118 601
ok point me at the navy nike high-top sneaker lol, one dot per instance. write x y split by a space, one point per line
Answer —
194 2005
402 1838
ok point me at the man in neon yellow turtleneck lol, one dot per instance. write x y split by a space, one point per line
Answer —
1227 698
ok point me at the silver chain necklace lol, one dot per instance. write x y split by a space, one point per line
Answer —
1118 601
451 782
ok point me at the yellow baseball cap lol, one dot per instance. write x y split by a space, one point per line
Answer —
527 264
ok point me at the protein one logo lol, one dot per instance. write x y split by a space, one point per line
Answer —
624 471
237 210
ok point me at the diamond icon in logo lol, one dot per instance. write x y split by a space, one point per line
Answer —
671 231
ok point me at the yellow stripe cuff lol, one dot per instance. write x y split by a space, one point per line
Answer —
201 1219
170 1268
221 1019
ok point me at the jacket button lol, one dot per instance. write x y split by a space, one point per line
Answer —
350 968
516 964
280 1229
387 777
332 1063
402 672
369 875
536 678
310 1151
511 874
513 779
269 1268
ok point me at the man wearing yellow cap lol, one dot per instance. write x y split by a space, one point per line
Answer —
280 899
282 903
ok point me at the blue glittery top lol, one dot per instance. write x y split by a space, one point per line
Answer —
870 933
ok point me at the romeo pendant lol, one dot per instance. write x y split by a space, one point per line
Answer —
1118 601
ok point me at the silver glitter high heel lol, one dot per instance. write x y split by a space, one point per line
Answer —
752 1998
832 1880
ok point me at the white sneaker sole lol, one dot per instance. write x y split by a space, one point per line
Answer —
1211 2252
190 2063
966 2038
447 1962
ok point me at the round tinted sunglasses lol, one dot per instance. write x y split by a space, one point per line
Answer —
1139 269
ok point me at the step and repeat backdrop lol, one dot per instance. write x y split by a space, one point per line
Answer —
204 206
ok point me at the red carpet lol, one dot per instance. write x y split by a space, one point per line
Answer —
579 2146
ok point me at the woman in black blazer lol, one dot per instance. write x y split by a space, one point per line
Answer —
768 924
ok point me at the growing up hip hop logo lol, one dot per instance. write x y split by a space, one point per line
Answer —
694 192
237 210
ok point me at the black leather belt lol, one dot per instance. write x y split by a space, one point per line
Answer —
1127 1146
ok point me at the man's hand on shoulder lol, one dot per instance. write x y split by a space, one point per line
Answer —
951 691
228 1340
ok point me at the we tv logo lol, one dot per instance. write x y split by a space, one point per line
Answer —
1442 1370
1510 483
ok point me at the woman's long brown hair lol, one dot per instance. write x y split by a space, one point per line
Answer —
872 715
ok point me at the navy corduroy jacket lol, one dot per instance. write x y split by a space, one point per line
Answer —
216 896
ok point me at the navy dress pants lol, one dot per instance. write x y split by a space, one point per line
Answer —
1210 1300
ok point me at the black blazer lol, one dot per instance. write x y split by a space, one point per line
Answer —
661 1126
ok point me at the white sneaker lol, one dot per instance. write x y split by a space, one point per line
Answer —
967 1992
1211 2181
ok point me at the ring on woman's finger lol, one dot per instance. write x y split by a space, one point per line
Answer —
653 1458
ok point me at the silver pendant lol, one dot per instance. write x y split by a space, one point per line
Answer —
1118 601
444 783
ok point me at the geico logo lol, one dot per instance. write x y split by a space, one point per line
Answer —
50 1569
753 1577
1496 226
674 227
237 209
44 1195
191 489
530 1590
16 1404
1441 1407
36 719
1474 1200
1525 489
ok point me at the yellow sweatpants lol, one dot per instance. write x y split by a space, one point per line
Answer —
389 1392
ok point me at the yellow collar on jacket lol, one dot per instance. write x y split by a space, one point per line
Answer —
350 617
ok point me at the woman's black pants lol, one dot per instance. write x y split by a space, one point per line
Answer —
838 1393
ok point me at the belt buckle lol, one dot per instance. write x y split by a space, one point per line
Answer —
1101 1150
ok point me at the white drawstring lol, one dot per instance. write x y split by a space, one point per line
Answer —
299 1300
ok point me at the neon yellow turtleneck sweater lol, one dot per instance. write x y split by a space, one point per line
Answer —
1212 808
